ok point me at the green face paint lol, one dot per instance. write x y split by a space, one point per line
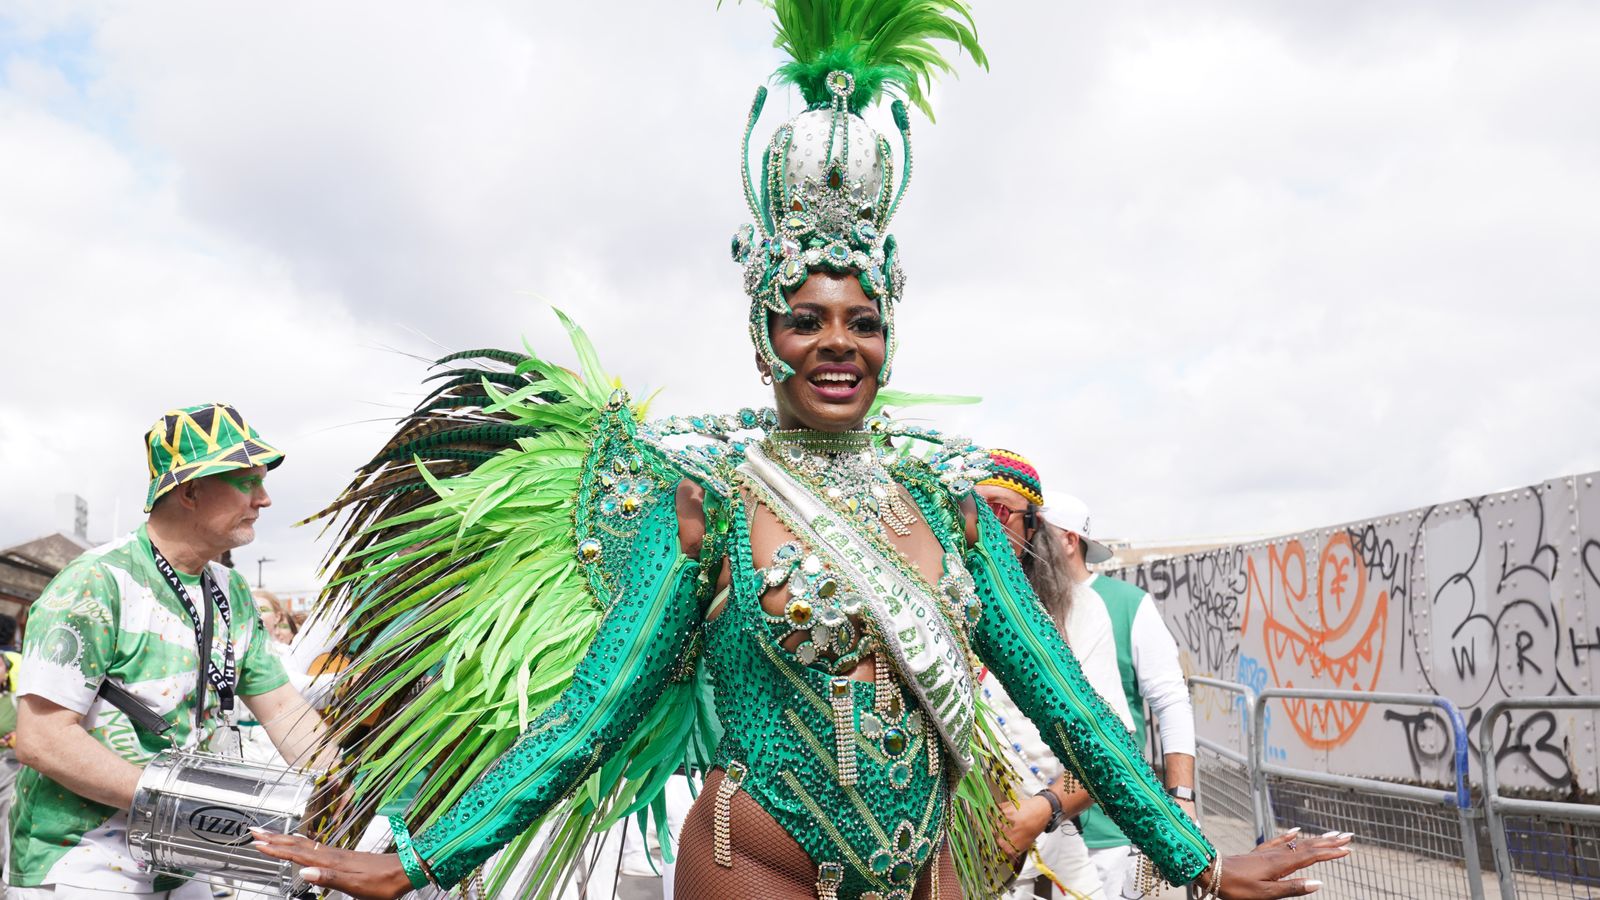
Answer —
244 484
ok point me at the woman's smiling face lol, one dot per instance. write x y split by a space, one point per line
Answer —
833 339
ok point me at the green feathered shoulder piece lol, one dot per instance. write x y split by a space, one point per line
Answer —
475 556
887 45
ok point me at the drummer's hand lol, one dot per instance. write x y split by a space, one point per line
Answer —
1259 874
365 876
1025 821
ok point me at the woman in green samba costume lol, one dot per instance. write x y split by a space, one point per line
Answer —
534 607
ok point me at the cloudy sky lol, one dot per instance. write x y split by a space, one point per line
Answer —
1219 268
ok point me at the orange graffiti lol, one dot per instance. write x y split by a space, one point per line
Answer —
1330 633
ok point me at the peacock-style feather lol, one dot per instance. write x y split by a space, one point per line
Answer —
887 45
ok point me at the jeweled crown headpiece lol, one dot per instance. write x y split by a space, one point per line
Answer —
826 192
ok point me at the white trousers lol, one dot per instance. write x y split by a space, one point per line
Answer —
1115 865
1065 854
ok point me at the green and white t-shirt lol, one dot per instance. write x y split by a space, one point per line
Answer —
110 614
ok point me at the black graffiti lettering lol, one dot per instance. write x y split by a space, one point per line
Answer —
1580 644
1524 642
1466 659
1205 591
1470 589
1546 759
1428 739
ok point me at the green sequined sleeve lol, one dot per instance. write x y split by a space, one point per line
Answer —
633 656
1021 646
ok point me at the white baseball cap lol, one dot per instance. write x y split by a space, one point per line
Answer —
1072 514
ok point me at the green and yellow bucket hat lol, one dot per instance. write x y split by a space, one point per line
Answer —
197 441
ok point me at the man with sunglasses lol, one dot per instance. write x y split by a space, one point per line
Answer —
113 671
1058 863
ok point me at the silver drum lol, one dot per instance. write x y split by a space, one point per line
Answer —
192 813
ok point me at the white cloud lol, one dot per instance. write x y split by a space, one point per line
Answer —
1253 267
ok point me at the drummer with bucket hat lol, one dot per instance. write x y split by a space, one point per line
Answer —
1147 658
111 671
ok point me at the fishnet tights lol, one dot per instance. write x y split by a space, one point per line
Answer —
767 862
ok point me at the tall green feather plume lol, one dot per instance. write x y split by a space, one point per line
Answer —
888 45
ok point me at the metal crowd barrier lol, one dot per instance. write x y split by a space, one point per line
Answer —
1542 848
1414 842
1225 793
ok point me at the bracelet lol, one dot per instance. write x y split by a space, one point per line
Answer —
1057 815
410 859
1213 891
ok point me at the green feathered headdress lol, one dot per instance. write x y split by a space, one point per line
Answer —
883 44
825 193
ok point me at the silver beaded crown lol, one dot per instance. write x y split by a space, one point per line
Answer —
826 197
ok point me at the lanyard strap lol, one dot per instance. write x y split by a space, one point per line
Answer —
222 679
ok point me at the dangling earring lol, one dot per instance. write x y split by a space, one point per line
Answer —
766 377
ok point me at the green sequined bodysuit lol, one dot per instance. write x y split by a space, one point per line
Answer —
870 806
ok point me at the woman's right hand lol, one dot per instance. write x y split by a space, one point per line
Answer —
1260 874
365 876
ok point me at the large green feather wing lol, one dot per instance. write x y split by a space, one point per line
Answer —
476 554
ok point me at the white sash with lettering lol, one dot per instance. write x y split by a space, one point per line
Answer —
913 627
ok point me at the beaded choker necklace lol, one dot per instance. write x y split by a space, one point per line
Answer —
822 441
846 469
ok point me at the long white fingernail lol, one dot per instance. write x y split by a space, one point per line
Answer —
1347 834
1294 830
1331 834
1313 885
311 874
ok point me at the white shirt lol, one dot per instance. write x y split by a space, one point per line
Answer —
1160 676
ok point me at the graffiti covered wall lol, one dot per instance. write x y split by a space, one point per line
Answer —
1473 600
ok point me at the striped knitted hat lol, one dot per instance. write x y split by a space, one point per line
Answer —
1012 470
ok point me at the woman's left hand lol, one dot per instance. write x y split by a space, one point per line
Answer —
1261 873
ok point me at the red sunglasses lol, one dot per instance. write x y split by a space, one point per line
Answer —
1002 511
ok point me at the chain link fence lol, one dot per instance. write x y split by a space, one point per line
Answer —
1542 848
1412 841
1224 795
